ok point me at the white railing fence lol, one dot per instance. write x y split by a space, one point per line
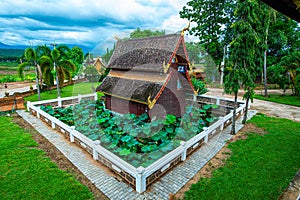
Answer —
139 177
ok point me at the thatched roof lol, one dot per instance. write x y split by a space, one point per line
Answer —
144 52
132 88
138 67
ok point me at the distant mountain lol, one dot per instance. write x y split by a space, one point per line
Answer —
6 46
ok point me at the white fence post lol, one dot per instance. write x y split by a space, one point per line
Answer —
95 152
206 135
28 104
52 124
37 112
218 100
140 182
222 125
183 155
96 96
194 97
79 98
71 134
59 102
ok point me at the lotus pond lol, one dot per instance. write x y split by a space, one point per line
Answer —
135 139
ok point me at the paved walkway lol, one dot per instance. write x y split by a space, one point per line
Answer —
13 87
112 187
265 107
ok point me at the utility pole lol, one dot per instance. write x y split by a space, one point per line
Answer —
54 65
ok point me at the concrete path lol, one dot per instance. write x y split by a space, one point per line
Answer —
112 187
265 107
15 87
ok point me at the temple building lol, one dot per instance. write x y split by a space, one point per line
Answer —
149 75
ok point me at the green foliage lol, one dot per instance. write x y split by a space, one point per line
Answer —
195 50
138 33
8 78
26 173
68 91
63 63
108 54
284 38
278 74
250 172
291 64
133 138
92 73
199 86
11 55
8 64
76 56
210 16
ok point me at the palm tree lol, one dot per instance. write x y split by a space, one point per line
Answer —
291 63
57 64
31 60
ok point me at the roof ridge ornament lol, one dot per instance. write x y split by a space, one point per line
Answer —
116 37
166 67
186 28
151 103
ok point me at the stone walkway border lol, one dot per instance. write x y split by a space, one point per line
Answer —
113 188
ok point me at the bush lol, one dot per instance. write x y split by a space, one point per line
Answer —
199 86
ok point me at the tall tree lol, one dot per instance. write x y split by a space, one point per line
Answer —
291 63
284 38
266 13
212 18
76 55
31 60
58 65
243 53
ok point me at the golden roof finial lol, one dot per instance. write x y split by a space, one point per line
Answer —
186 28
151 103
116 37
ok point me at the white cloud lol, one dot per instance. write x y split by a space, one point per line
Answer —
85 22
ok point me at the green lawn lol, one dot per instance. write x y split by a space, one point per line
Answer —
260 167
71 90
287 99
26 173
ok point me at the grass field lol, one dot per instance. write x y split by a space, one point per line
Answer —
71 90
260 167
9 64
26 173
277 98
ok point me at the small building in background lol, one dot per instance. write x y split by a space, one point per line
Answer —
99 65
149 75
198 71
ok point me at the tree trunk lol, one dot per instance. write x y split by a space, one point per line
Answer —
222 66
265 65
234 114
37 83
246 110
57 82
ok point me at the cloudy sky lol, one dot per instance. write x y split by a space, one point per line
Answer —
92 23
